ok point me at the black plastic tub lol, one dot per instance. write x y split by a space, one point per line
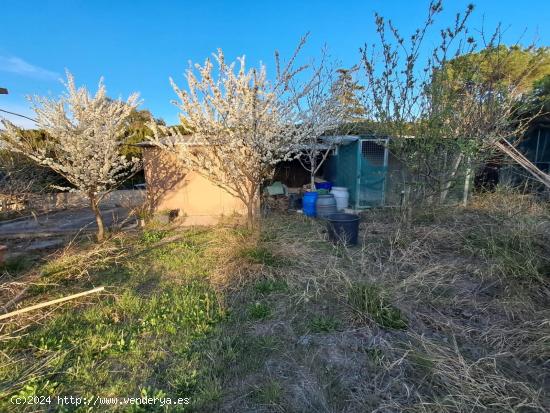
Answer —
343 228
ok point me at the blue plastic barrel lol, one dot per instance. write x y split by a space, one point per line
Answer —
308 203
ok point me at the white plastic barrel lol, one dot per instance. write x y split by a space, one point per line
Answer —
341 195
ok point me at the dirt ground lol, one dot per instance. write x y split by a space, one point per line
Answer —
65 221
35 236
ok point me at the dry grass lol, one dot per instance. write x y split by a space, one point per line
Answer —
314 326
479 311
474 293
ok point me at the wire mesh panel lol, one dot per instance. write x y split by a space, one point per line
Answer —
341 170
347 170
373 173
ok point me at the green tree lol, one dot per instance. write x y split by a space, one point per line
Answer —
503 66
537 106
347 90
137 131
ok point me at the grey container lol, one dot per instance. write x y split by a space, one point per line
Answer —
325 205
343 228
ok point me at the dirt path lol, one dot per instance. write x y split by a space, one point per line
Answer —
61 222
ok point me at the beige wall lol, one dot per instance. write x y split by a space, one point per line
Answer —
199 201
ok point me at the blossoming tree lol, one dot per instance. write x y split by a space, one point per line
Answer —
319 111
85 141
239 124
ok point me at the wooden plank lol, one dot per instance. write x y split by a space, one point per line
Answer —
51 302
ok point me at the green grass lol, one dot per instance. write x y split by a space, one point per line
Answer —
139 338
262 255
323 324
157 329
270 393
151 236
271 286
375 355
369 300
15 265
259 311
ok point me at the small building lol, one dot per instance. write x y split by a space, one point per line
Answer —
535 145
363 164
186 194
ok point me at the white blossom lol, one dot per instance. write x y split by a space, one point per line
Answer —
239 125
85 138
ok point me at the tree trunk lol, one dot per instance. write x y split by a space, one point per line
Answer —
94 203
313 171
406 207
452 176
250 216
467 180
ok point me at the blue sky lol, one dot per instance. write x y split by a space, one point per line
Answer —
136 45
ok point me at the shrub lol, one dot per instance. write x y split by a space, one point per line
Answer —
151 236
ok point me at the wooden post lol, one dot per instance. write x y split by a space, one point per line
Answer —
467 184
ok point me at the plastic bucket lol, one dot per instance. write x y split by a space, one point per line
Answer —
308 203
326 205
323 185
341 195
343 228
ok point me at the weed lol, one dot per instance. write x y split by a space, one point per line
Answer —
421 362
271 286
515 249
270 393
323 324
259 311
268 236
150 236
369 300
15 265
261 255
210 390
376 355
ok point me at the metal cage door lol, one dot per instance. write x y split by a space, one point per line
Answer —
373 170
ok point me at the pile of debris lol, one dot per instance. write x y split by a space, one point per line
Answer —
279 197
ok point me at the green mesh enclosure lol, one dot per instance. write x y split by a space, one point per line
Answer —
373 174
367 169
376 178
341 170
